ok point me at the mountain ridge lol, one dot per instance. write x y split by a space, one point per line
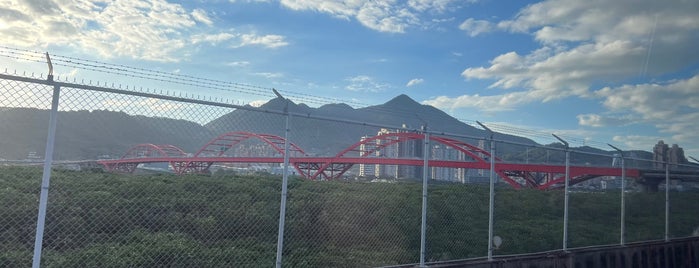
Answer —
90 134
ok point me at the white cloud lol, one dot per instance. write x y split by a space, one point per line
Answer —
436 5
588 42
414 82
250 1
638 142
268 41
476 27
269 75
381 15
145 30
201 16
238 64
672 107
364 83
493 103
213 39
257 103
343 10
596 120
153 30
551 75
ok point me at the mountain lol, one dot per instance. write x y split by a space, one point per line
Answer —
320 137
91 134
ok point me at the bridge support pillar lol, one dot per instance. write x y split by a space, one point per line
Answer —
649 185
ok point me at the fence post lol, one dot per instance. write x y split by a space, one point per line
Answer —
46 176
667 201
623 197
423 226
491 202
285 181
567 192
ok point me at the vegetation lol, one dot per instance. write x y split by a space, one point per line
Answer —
98 219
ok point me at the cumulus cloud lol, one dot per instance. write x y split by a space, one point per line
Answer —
476 27
436 5
414 82
212 39
494 103
270 75
638 141
671 107
584 45
268 41
238 64
257 103
381 15
154 30
588 42
365 83
201 16
596 120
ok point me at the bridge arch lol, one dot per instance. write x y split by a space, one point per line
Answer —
218 146
335 167
224 142
152 150
145 150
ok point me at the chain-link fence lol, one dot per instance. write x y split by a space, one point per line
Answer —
144 179
22 106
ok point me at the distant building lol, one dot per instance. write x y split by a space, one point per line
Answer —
676 156
663 154
412 149
365 170
443 152
406 149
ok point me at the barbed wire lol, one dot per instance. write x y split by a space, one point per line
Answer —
154 75
190 80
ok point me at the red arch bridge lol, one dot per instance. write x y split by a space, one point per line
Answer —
519 175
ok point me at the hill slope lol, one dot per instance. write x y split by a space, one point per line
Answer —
90 134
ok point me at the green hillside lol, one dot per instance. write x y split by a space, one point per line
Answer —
100 219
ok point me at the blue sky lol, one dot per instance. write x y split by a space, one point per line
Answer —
621 72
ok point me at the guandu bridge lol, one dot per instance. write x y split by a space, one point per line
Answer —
368 151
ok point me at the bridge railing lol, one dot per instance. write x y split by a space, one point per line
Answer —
392 190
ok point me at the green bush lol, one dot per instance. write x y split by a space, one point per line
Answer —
98 219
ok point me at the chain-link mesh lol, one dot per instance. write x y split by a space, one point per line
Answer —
645 206
595 202
145 180
457 199
682 214
352 215
521 214
23 127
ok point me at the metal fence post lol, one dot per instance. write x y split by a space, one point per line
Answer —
46 177
491 202
285 181
667 201
567 193
423 226
623 197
